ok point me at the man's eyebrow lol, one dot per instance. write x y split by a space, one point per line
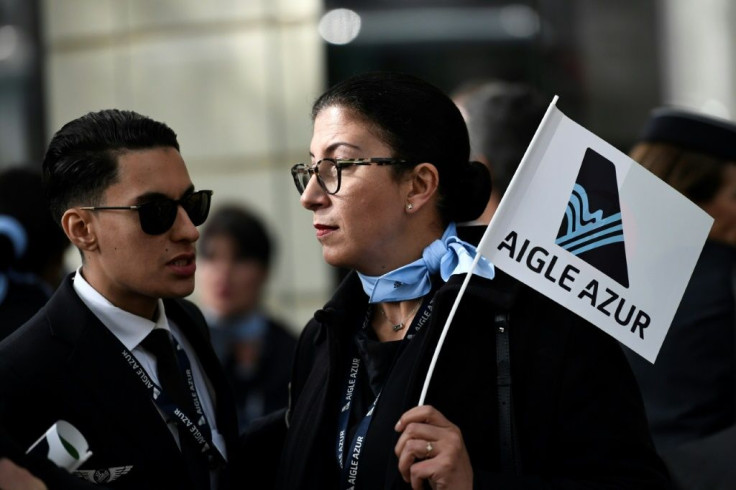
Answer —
153 196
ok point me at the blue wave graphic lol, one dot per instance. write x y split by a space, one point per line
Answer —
588 230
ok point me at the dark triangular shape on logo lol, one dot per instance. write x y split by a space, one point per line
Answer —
592 226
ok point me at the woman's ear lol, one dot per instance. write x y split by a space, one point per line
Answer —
423 182
77 225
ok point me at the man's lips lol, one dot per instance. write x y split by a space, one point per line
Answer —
183 264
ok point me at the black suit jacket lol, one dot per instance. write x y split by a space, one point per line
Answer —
65 364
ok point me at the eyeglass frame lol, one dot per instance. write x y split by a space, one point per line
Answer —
339 163
137 207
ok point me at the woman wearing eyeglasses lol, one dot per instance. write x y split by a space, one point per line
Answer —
388 181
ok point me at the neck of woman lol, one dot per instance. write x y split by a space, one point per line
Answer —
391 320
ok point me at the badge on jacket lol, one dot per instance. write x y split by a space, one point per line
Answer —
104 475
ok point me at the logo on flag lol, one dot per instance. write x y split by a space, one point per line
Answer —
592 227
560 229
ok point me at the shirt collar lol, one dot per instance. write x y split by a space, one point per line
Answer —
130 329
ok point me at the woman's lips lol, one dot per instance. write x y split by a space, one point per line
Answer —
324 230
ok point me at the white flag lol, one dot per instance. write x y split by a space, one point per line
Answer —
594 231
63 444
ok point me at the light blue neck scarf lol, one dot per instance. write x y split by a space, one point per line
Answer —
449 255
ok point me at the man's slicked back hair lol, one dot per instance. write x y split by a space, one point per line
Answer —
81 161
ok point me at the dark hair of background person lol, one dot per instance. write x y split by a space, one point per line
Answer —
502 118
81 159
434 133
247 231
34 273
21 196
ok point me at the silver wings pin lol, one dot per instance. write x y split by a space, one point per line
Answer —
104 475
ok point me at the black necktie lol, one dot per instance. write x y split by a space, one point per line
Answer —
158 343
172 382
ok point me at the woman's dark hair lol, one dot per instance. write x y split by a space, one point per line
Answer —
251 238
421 124
81 161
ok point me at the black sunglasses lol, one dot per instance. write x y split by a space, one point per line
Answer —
158 216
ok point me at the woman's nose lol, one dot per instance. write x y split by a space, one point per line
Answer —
313 196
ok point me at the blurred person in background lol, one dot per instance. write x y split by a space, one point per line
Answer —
502 118
32 248
235 255
690 391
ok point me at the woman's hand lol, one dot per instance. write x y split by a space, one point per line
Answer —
432 448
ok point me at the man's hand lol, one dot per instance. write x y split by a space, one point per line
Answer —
14 477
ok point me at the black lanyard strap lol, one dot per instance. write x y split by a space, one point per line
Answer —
349 461
198 431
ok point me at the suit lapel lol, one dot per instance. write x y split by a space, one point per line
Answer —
94 346
95 352
111 398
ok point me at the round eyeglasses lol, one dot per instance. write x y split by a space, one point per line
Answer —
329 171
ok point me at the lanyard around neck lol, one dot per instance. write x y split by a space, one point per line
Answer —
199 430
350 462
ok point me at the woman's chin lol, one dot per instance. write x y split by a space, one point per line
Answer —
334 259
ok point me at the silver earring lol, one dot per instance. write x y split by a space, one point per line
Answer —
409 206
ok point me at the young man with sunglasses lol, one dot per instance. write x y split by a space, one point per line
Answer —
115 351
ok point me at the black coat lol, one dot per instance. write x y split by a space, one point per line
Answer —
579 415
65 364
690 392
23 300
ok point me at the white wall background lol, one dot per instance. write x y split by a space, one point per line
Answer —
235 79
698 49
